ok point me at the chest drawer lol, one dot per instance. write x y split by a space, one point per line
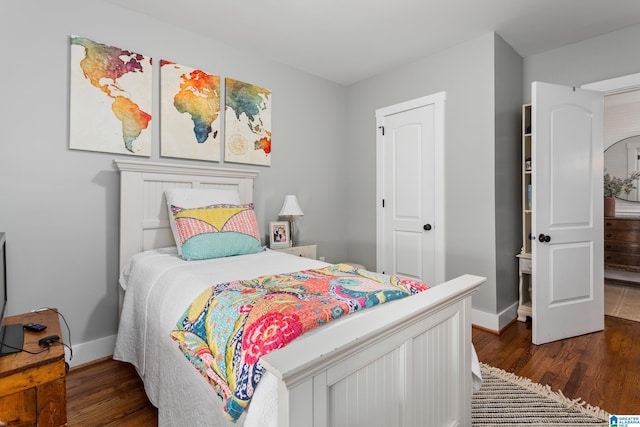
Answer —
621 236
622 224
619 258
622 230
622 247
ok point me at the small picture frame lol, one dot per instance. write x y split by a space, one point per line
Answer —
279 236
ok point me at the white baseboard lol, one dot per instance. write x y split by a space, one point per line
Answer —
494 322
92 350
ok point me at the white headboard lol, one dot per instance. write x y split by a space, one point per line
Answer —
144 221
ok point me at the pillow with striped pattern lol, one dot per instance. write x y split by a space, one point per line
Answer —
216 231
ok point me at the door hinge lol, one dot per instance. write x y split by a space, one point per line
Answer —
382 128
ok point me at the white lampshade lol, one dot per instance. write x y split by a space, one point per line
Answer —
291 206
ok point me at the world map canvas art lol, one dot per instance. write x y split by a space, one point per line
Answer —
110 99
247 123
189 112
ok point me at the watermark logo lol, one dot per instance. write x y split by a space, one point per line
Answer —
624 420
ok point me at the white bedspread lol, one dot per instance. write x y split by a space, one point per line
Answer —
159 286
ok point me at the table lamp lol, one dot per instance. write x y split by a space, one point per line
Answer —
291 209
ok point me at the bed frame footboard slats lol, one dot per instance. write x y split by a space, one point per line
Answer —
438 377
374 395
416 373
391 390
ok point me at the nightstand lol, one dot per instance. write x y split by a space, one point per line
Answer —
307 251
524 303
32 386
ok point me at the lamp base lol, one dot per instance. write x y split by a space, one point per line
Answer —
292 230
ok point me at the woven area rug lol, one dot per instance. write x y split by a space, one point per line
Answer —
508 400
622 301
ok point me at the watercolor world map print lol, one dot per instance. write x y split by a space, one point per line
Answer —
110 99
247 123
189 113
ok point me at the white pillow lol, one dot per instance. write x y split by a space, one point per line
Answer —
196 198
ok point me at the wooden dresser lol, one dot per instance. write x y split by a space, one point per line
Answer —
622 243
32 386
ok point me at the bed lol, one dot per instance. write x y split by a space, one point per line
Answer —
405 363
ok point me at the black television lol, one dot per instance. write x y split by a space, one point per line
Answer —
11 336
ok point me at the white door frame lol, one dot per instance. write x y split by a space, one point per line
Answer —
613 86
438 101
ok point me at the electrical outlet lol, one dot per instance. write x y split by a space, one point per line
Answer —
322 258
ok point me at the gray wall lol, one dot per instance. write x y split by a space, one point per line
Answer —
466 73
60 207
508 158
600 58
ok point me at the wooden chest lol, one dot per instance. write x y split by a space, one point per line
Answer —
32 386
622 243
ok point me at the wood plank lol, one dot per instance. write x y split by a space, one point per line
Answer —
52 404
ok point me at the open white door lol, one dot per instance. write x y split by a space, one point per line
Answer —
568 271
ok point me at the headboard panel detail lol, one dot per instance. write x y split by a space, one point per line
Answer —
144 221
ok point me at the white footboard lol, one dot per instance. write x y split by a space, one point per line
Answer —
407 363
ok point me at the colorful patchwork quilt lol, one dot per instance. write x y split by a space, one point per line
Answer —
226 330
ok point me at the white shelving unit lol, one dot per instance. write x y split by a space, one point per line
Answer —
524 257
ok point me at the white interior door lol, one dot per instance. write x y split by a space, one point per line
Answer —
410 222
568 271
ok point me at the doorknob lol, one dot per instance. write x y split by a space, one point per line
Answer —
426 227
544 238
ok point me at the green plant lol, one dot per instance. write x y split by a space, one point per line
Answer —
614 186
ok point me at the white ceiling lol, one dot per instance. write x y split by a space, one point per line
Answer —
349 40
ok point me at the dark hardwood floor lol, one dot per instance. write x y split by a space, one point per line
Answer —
602 368
108 393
